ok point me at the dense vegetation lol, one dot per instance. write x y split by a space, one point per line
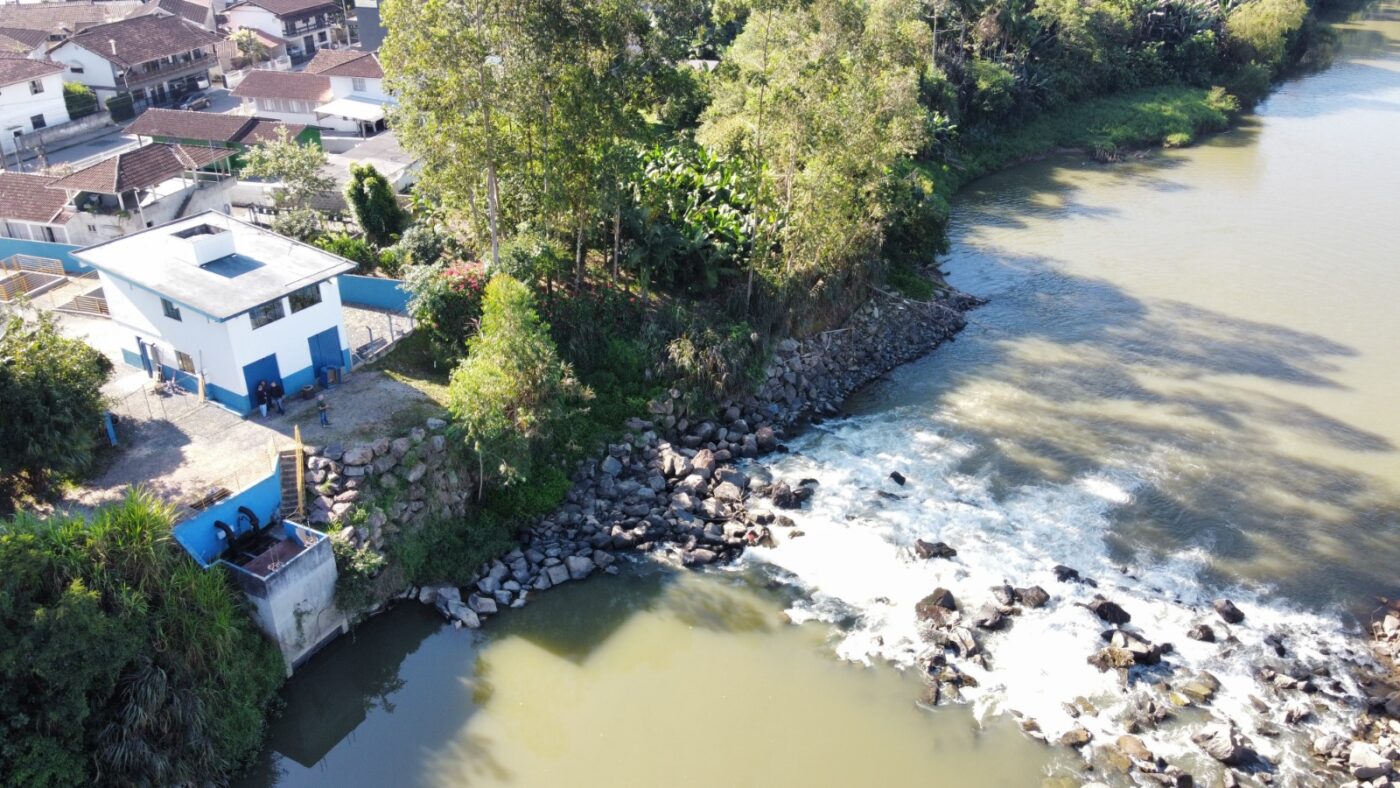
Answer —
122 661
51 387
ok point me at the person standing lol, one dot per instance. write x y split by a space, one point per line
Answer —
322 408
277 393
260 397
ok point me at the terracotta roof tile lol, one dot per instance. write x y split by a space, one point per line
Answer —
29 37
345 63
137 169
142 39
288 7
284 85
27 198
264 130
14 70
191 12
63 17
188 125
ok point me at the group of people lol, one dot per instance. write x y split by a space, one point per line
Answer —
270 392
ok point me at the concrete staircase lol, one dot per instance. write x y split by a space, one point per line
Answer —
287 461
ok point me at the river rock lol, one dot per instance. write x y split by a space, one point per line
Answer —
700 556
557 574
1201 632
1133 747
990 618
1223 742
897 478
611 466
728 491
483 605
1228 611
1201 688
1366 762
359 455
1112 658
464 614
1066 575
579 566
1004 594
927 550
703 464
1077 736
1109 611
1035 596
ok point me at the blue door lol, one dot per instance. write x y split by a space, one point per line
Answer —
258 371
325 352
145 355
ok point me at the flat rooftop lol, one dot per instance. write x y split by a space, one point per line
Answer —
214 264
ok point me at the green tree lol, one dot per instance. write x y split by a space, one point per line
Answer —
300 173
373 204
510 394
1263 28
79 100
52 389
249 44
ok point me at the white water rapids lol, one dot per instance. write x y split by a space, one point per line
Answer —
856 563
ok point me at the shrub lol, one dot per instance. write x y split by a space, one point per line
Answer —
372 201
423 244
357 568
447 303
79 100
442 550
51 387
512 391
1263 29
351 248
123 662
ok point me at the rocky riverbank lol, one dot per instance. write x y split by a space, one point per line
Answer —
670 486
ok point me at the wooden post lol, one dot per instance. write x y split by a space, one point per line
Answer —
301 474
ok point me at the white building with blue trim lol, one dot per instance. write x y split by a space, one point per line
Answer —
220 305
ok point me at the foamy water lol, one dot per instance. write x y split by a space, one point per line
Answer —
857 565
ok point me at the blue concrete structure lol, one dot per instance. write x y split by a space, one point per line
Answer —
375 293
9 247
201 539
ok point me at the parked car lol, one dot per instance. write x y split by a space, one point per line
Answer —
195 101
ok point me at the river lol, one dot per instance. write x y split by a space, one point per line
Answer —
1186 385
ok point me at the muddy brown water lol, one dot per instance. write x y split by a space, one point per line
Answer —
1190 366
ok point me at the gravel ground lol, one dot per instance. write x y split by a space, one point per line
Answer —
187 447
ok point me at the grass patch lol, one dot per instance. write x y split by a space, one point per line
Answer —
411 363
909 283
1105 127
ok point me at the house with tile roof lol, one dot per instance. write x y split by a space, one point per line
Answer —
57 21
222 305
358 101
236 133
30 211
155 58
31 98
288 96
198 14
306 25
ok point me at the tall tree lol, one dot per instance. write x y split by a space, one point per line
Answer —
300 172
51 387
372 201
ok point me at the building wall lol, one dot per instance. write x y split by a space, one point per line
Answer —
288 338
345 86
296 607
96 72
18 106
201 539
374 292
137 312
284 110
256 18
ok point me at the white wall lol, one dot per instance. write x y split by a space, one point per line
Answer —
139 312
97 73
344 86
18 106
287 337
303 112
254 17
86 229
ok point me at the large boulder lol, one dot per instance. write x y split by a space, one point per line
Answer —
358 455
1366 762
1035 596
1201 632
1228 611
936 607
464 614
703 464
927 550
579 566
1111 612
1223 742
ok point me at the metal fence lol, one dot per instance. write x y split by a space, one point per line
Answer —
164 402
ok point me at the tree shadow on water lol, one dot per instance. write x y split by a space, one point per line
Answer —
1062 376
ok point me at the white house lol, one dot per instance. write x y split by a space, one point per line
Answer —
157 58
221 305
358 101
30 211
341 90
31 97
288 96
306 25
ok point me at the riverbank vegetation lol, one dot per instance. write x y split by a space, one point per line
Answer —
123 662
680 184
